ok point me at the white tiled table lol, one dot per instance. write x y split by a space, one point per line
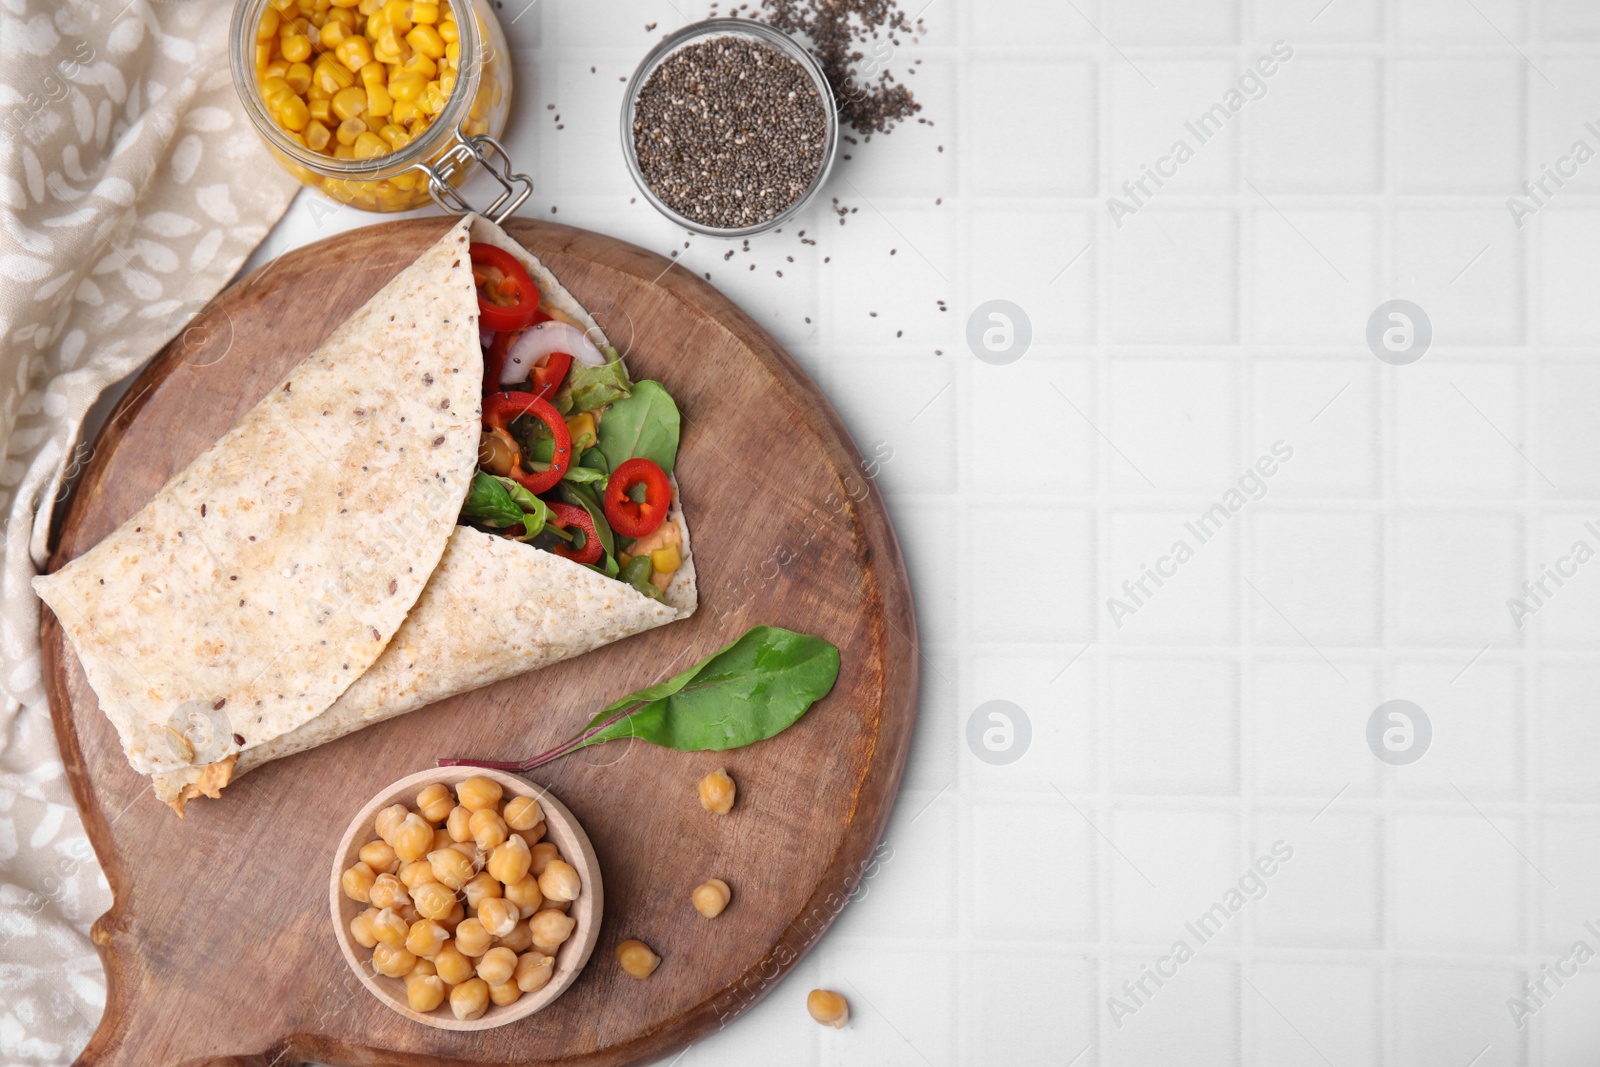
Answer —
1229 710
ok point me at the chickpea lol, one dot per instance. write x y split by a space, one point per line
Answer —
505 993
361 930
533 971
531 837
560 881
388 892
389 819
479 792
416 873
520 939
470 999
828 1008
717 792
379 855
458 913
475 855
472 938
525 895
451 868
435 802
357 882
433 900
488 829
497 965
424 992
389 928
510 860
412 838
441 839
523 813
542 854
392 961
711 897
481 887
426 938
637 959
550 929
498 916
452 964
409 913
422 966
458 825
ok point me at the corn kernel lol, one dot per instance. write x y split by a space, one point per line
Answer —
379 102
269 25
332 33
263 57
408 87
349 130
343 151
394 135
281 5
370 146
349 103
398 14
432 100
375 73
297 49
277 68
354 52
405 111
449 31
299 78
322 110
332 76
424 12
666 560
426 40
275 90
420 64
386 48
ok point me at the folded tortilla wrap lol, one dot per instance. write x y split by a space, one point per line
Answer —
491 608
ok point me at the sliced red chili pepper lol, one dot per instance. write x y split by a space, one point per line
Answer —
634 518
524 293
548 376
567 515
500 408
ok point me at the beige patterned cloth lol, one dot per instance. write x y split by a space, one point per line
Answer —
131 189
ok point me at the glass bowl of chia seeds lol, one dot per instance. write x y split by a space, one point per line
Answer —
729 127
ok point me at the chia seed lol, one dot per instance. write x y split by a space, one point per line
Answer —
839 30
729 132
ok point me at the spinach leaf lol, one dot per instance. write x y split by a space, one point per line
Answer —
490 503
594 387
645 424
595 459
586 476
750 691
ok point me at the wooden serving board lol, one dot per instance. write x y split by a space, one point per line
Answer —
218 948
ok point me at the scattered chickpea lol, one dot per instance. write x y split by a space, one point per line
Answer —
424 992
534 970
357 883
523 813
498 916
479 792
379 855
470 999
435 802
637 959
711 897
717 792
560 881
828 1008
497 965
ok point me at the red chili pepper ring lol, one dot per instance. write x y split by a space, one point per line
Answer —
637 518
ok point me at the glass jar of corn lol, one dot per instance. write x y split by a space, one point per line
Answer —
381 104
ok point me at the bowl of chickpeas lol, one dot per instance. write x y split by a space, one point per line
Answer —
465 899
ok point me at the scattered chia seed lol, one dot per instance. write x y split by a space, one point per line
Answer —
729 132
839 30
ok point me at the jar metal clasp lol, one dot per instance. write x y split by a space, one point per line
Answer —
463 152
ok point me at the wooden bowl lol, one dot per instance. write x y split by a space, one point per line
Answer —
560 828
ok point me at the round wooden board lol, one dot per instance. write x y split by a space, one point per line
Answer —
218 948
